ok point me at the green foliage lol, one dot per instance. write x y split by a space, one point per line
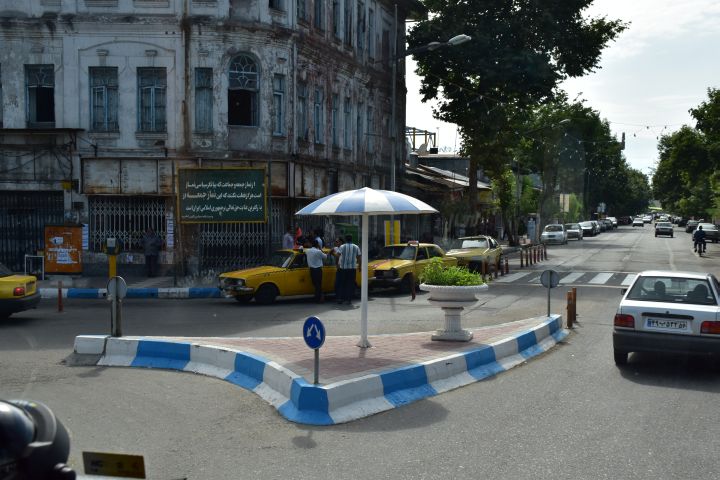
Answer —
437 273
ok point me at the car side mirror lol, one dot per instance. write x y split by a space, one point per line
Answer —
623 291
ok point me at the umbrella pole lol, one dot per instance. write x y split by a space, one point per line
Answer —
364 343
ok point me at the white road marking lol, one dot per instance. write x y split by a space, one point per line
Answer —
512 277
628 279
600 278
571 277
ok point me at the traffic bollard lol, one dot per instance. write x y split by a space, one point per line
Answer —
60 301
545 250
507 266
574 302
521 259
569 310
497 263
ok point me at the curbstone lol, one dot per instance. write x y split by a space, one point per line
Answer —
339 402
169 293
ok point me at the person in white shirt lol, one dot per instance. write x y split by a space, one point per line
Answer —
315 258
288 240
349 257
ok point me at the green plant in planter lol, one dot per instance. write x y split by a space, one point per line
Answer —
437 273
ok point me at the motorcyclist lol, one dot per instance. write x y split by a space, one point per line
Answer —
699 239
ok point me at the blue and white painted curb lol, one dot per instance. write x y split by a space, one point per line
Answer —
344 401
193 292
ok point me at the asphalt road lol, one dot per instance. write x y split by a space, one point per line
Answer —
567 414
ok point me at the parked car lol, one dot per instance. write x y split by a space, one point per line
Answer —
638 222
663 228
691 225
17 292
574 230
712 234
614 221
554 233
668 311
588 229
400 264
647 218
596 226
473 251
681 222
608 224
285 274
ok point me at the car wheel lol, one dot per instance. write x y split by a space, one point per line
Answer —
621 358
266 294
671 236
243 298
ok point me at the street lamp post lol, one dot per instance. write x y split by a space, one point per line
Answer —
456 40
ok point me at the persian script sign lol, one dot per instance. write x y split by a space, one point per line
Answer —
222 195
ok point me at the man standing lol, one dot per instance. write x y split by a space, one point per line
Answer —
288 240
315 258
349 256
151 247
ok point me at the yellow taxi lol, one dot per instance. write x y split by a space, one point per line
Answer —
475 250
285 274
17 292
400 264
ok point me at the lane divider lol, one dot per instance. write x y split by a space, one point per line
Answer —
339 402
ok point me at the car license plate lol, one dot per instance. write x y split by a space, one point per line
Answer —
666 324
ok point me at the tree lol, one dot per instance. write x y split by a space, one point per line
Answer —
520 52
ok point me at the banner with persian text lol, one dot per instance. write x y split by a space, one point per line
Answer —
215 195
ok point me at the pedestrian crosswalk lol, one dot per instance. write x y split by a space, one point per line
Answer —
609 279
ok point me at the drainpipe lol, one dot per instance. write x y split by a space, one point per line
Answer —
186 29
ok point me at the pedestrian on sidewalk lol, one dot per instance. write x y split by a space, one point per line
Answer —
349 257
152 244
315 257
288 240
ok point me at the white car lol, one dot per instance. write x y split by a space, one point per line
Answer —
554 233
668 311
638 222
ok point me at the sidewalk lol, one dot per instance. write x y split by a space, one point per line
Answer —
353 383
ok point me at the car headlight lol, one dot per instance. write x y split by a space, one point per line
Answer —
394 272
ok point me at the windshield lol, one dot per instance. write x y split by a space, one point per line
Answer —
586 225
478 243
672 289
707 226
554 228
403 252
572 226
280 259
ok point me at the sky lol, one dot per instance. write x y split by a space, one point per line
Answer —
648 78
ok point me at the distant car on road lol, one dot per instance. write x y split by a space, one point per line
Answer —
588 229
574 230
638 222
668 312
614 221
647 219
691 225
663 228
473 251
711 232
554 233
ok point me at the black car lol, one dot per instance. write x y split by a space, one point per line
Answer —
588 229
691 225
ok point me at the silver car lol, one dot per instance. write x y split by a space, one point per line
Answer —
668 312
554 233
574 230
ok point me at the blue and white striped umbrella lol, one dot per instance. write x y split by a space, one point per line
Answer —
367 201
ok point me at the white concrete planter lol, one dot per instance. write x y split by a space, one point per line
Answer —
452 300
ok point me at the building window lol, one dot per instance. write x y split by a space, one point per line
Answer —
302 127
334 120
386 47
371 33
370 130
243 92
318 120
359 121
348 22
361 27
152 88
104 99
1 100
336 18
277 4
40 84
302 10
347 124
203 100
279 104
320 14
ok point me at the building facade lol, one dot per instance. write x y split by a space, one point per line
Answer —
103 101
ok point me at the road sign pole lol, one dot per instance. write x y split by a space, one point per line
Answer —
316 378
548 289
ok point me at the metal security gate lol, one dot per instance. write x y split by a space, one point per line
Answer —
23 216
126 219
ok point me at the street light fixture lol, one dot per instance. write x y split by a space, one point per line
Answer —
456 40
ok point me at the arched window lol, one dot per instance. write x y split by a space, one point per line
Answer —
243 92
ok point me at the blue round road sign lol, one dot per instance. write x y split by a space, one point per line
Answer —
314 333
